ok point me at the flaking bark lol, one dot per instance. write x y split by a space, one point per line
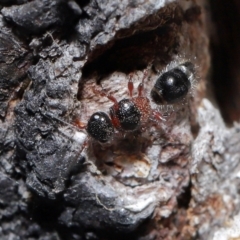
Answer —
178 180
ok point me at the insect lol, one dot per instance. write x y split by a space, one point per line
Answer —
127 115
173 85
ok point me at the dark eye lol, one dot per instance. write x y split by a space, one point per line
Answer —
100 127
173 85
128 115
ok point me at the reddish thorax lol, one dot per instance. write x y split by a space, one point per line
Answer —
143 104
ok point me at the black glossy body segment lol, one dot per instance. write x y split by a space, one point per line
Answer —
171 86
128 115
100 127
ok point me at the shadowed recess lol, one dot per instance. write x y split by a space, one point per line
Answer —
225 46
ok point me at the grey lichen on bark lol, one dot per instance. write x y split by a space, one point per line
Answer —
178 178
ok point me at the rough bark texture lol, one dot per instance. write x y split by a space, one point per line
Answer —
178 179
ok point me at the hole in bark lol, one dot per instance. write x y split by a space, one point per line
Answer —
185 198
82 3
134 52
225 45
195 130
45 212
141 230
110 164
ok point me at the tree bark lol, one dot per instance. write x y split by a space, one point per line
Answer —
177 178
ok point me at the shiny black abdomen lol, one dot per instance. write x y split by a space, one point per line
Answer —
171 86
100 127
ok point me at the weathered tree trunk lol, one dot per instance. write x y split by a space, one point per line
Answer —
174 179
